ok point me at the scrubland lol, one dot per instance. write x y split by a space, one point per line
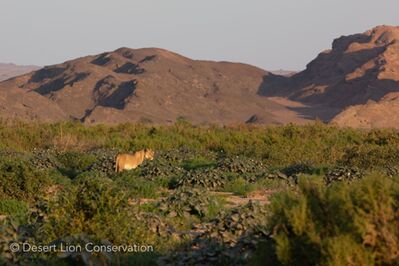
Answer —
239 195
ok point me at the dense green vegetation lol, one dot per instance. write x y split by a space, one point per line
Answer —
277 146
334 194
343 224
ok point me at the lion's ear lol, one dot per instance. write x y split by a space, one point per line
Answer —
145 150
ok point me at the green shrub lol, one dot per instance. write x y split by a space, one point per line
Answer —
227 239
211 179
104 160
18 210
93 206
137 186
197 163
58 178
184 203
163 168
91 174
74 163
243 166
343 174
97 209
239 186
343 224
371 157
141 259
45 159
21 181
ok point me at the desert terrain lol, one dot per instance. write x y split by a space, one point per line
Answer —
232 164
158 86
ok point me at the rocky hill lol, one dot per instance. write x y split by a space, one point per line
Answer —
382 114
358 68
144 85
353 84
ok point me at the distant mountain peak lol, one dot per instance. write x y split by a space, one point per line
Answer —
9 70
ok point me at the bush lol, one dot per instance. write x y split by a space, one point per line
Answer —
371 157
211 179
184 203
239 186
74 163
18 210
227 239
92 206
197 163
98 208
137 186
21 181
343 224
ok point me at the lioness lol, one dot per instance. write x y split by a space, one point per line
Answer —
131 161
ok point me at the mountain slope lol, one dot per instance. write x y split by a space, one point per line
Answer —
353 84
17 104
357 69
151 84
382 114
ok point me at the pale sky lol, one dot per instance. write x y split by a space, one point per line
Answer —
271 34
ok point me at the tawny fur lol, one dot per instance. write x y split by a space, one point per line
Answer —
128 161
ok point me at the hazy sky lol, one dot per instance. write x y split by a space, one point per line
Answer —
272 34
